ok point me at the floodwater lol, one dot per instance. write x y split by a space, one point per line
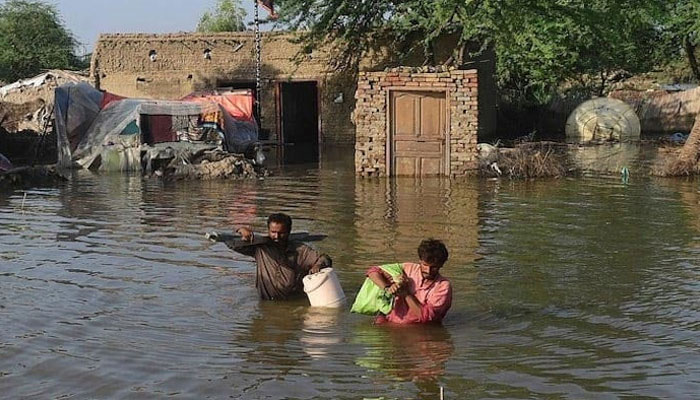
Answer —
573 288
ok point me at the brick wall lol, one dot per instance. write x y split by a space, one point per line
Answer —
371 115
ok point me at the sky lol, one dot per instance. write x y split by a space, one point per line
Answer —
86 19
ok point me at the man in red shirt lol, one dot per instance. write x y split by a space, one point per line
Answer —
422 294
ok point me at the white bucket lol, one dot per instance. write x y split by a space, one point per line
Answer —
323 289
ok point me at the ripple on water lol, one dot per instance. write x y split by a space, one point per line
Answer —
570 288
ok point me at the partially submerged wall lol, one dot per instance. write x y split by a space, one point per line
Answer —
170 66
122 64
372 119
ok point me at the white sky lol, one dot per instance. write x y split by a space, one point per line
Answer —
88 18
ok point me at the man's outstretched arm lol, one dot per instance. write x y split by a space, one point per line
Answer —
244 245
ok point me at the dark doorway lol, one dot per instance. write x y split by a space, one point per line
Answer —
299 121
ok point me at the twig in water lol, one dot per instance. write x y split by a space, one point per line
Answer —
23 199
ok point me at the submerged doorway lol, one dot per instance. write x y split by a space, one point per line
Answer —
299 121
418 128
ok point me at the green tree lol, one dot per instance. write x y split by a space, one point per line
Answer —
681 29
538 44
33 38
227 16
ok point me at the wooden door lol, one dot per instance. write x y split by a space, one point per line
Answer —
418 132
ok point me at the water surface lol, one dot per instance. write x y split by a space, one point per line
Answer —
571 288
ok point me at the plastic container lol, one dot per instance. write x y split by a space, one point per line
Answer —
323 289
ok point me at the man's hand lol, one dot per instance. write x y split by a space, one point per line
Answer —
212 236
246 234
397 287
315 269
393 288
402 290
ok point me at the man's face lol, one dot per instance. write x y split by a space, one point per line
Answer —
429 270
278 232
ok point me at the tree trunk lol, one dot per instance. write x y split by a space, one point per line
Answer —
603 82
429 56
690 53
691 149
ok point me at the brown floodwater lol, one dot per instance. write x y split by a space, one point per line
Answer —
571 288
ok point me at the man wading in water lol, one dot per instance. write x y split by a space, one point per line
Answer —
281 263
422 294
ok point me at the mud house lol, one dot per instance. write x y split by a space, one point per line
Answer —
304 99
301 101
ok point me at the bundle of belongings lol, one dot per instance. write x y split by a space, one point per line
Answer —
100 130
371 299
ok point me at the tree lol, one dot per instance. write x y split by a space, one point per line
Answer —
33 38
681 29
227 16
538 44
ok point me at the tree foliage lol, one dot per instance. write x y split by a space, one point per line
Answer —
227 16
33 38
681 31
538 44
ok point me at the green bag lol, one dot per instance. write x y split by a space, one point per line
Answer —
371 299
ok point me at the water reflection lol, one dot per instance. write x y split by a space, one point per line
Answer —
413 353
689 195
581 288
321 331
393 215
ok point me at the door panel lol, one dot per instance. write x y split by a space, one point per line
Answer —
431 166
407 166
405 106
418 126
432 116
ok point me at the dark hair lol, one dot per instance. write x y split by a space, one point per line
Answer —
432 251
280 218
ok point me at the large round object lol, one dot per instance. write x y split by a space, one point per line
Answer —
603 119
323 289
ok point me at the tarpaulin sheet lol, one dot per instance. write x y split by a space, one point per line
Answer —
237 103
86 132
76 106
5 164
108 98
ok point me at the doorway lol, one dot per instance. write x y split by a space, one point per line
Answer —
299 121
418 122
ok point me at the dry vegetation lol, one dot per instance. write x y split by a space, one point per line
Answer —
532 160
684 161
669 164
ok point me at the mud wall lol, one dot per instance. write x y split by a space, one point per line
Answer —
663 112
122 63
170 66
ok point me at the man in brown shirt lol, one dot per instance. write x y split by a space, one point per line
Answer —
281 263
